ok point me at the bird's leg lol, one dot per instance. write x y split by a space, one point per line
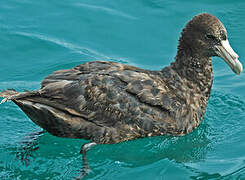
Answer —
84 149
27 146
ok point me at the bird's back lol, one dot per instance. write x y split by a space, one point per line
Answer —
109 102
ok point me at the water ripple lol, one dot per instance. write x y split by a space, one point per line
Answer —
73 47
18 84
106 9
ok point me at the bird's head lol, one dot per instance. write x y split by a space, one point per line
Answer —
206 36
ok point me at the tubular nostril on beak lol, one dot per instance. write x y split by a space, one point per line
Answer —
236 56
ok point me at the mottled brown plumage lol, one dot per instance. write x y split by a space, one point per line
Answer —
109 102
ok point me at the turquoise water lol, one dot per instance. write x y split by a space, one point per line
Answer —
38 37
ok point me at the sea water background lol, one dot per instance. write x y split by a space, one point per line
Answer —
39 37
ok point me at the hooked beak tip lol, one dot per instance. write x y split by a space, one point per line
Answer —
231 58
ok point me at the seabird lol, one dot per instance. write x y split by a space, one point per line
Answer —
109 102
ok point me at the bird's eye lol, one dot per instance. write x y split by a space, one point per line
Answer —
223 35
210 36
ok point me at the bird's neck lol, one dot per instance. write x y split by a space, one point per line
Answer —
196 69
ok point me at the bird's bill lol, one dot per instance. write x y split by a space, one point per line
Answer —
231 58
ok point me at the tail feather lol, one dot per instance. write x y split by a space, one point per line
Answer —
8 95
11 94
